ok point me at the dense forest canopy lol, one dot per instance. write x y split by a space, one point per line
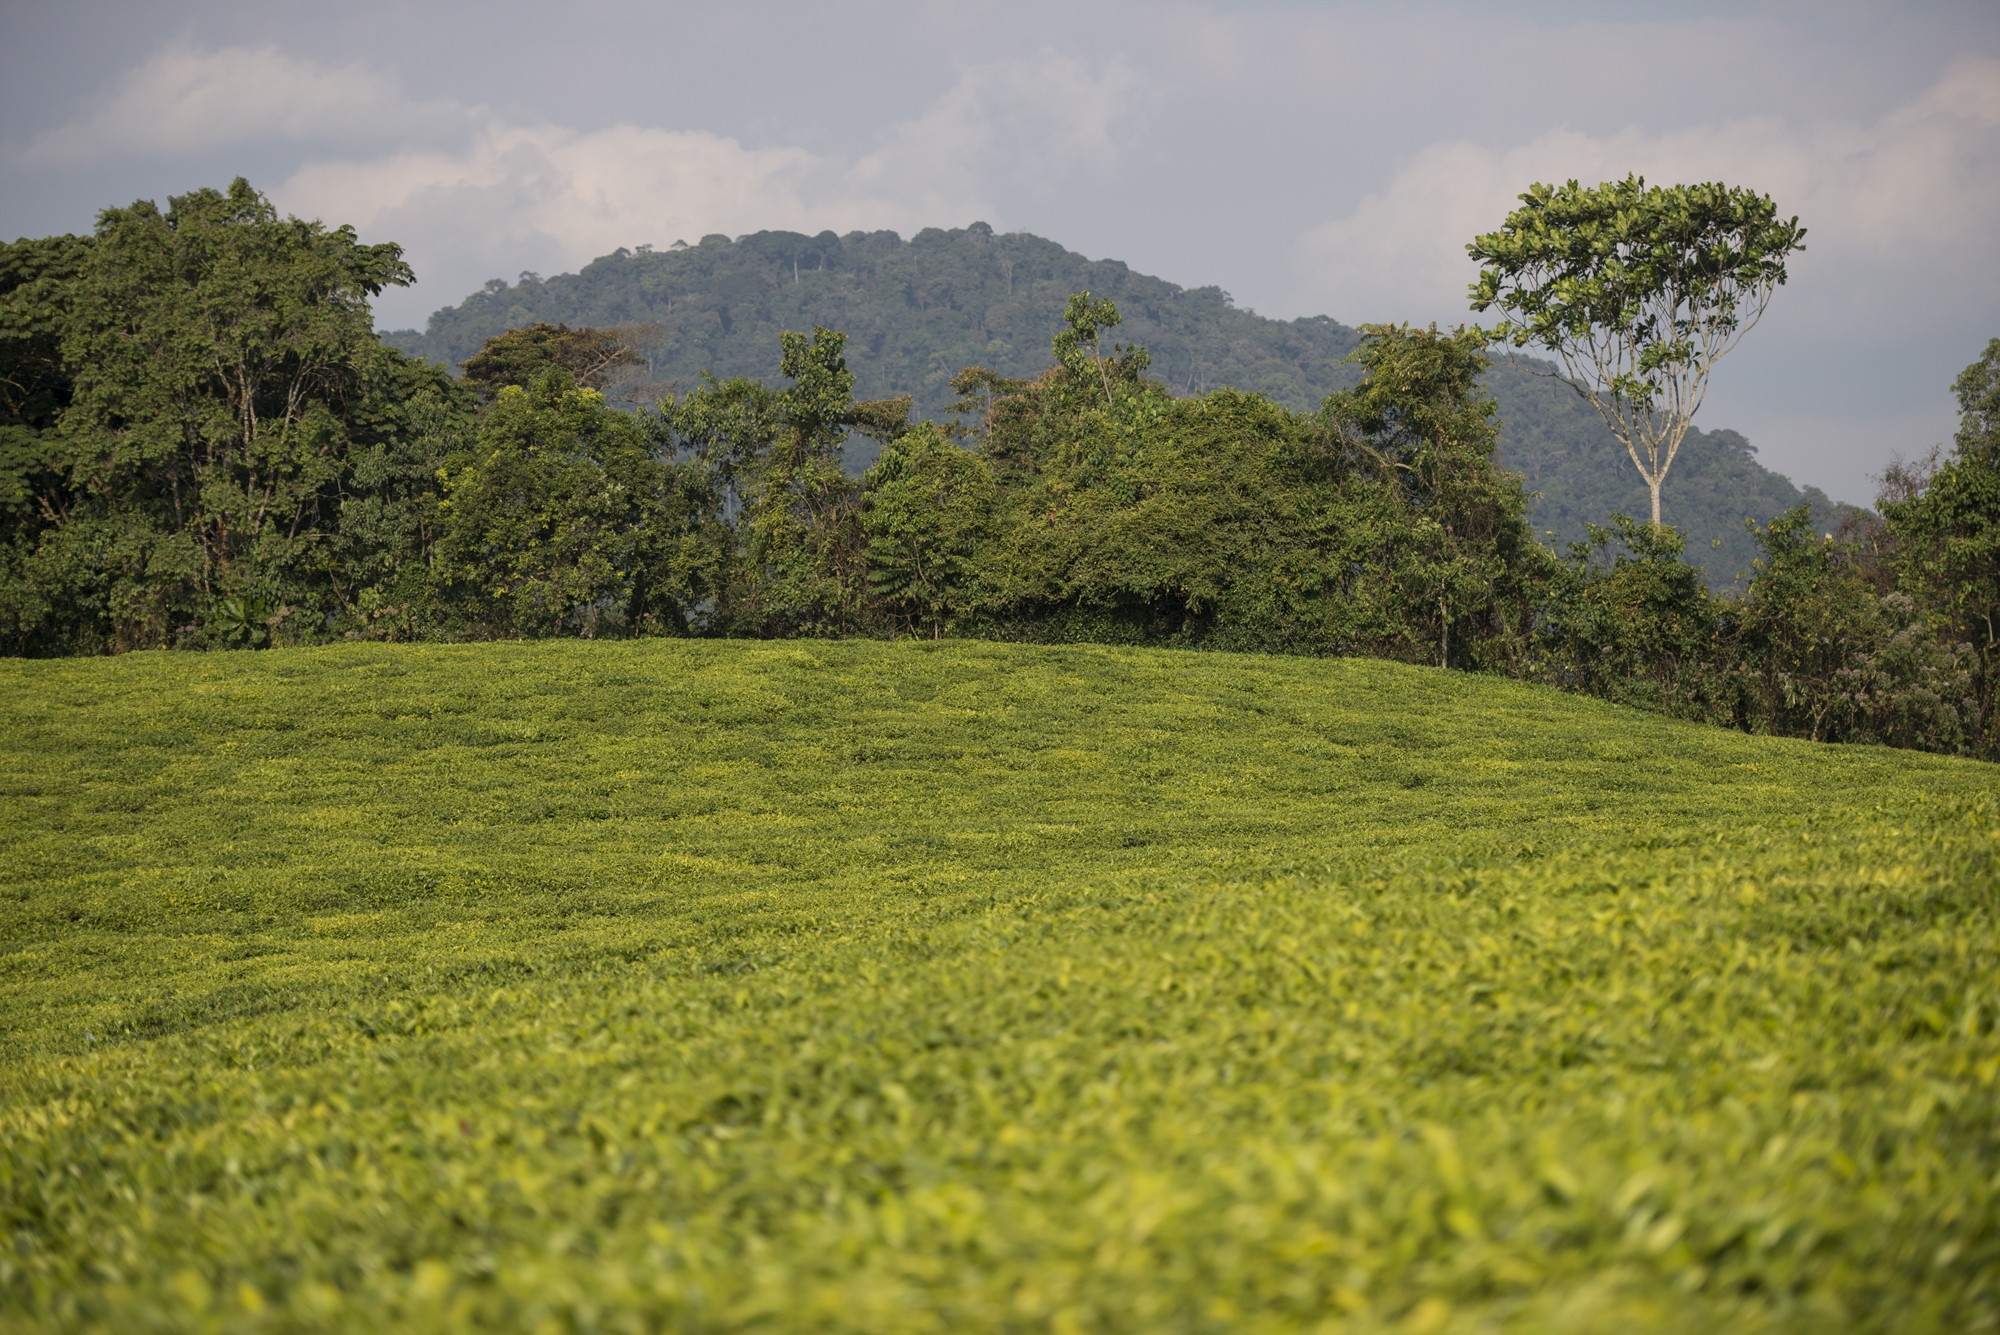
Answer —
205 445
917 311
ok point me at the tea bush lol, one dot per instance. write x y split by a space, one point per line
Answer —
665 985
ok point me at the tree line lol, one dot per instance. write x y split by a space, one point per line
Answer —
205 445
919 309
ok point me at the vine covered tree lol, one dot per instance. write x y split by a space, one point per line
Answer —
1638 291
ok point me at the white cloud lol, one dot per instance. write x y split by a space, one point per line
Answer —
548 195
570 193
184 101
1046 107
470 193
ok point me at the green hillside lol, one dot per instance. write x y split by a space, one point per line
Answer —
919 311
957 986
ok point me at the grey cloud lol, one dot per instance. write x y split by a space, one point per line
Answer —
185 100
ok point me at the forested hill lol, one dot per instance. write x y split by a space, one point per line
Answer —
918 311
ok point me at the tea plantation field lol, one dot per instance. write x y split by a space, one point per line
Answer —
963 987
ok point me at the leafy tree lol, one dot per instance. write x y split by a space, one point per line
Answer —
1128 513
216 356
563 520
1638 292
1628 619
39 584
929 513
803 534
1298 533
591 357
377 561
1819 655
1079 347
1137 518
1947 534
772 461
1224 519
1911 689
1451 562
804 550
35 279
1806 619
980 390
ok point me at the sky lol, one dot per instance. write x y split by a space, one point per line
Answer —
1308 158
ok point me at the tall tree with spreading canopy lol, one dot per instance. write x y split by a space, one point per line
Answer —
1638 291
218 377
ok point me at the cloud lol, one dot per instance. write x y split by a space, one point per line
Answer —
185 101
471 193
1011 120
566 193
1880 199
555 196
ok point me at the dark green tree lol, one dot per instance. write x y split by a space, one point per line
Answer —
928 515
1628 619
727 426
216 360
37 281
562 520
1452 557
804 551
1947 537
377 561
1817 653
1806 620
591 357
1128 513
38 581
